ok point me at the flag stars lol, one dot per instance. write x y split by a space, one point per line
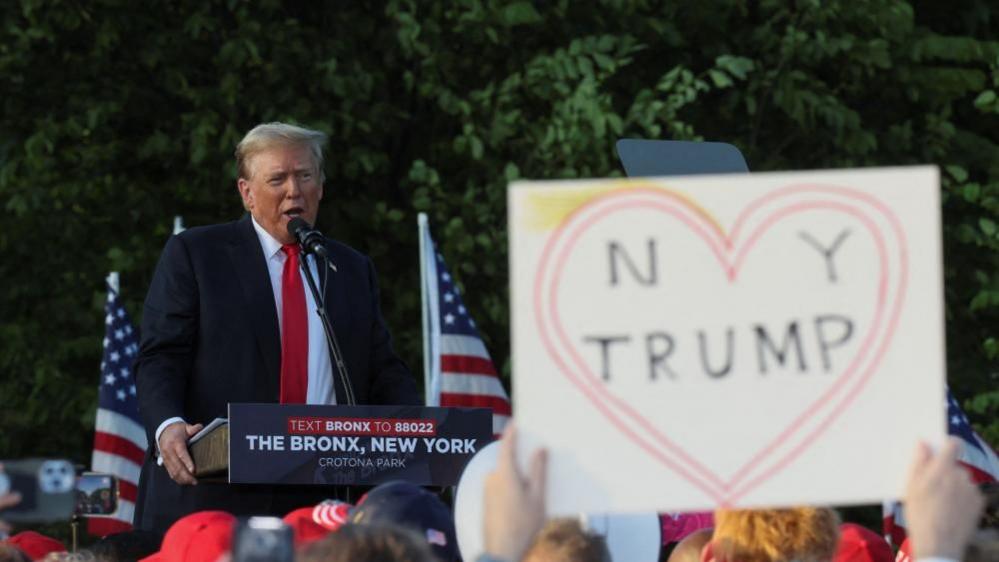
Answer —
449 318
446 277
956 420
121 313
109 319
119 334
121 395
461 309
131 390
109 379
123 372
106 342
448 297
128 329
114 357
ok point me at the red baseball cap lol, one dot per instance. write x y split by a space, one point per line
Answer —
315 522
35 545
199 537
860 544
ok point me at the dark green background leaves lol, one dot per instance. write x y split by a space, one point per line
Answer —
118 115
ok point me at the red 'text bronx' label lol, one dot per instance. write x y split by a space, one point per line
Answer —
361 426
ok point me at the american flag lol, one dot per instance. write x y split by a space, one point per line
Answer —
119 442
975 454
460 371
436 537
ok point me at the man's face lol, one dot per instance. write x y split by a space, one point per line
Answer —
284 183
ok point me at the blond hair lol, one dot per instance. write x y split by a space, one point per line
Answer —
269 135
803 534
565 540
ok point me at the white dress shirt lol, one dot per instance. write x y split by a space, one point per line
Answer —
321 389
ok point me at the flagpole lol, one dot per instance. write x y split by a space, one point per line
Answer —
423 227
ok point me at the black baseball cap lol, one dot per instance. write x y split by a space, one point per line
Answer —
413 507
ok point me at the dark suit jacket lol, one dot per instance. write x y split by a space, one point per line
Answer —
210 336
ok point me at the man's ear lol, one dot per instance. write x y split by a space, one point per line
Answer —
708 552
244 193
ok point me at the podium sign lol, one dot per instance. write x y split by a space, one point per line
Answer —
353 445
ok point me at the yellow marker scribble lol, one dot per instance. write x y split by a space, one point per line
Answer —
548 208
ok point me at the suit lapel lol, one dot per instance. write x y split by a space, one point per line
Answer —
336 298
250 269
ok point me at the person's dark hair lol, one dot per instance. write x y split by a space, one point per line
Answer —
122 547
369 543
565 540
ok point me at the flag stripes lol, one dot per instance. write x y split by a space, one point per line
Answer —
499 405
454 344
113 423
114 445
467 364
460 383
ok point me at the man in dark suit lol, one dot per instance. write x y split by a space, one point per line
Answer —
228 319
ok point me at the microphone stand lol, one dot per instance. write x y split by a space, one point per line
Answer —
331 343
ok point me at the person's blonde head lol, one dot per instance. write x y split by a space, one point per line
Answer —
565 540
800 534
269 135
689 549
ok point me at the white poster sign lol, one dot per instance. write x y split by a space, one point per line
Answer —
738 340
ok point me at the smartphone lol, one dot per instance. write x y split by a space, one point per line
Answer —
96 495
263 539
47 488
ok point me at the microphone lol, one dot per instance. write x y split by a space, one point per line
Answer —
308 237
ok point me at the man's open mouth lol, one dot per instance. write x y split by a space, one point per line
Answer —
293 212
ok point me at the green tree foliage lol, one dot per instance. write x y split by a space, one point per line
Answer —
118 115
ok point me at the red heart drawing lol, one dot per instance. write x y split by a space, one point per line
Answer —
730 251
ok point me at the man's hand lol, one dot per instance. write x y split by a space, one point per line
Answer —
514 505
942 504
173 450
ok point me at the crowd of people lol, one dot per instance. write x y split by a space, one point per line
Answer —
399 521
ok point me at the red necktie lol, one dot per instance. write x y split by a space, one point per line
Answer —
294 331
